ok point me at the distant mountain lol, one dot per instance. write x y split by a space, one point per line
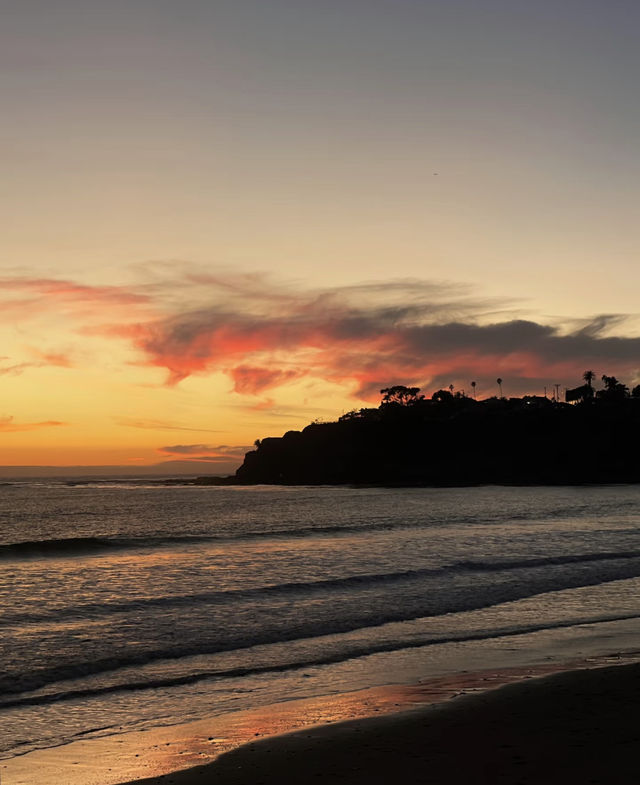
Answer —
190 468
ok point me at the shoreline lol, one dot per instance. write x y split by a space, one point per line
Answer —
231 482
571 727
176 753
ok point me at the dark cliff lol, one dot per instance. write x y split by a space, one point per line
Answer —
458 441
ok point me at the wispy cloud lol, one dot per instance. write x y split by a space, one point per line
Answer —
44 359
8 425
264 334
205 452
159 425
16 369
251 380
47 301
62 290
59 359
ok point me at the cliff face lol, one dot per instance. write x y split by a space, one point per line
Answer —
458 442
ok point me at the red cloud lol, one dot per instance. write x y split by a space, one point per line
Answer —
73 292
202 342
251 380
367 336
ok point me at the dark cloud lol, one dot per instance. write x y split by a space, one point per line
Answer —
263 333
372 335
222 452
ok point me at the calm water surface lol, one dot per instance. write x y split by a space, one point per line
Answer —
148 605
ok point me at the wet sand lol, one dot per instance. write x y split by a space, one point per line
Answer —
134 755
579 727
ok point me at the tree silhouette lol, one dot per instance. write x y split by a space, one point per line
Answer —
589 376
613 389
473 384
499 381
442 396
405 396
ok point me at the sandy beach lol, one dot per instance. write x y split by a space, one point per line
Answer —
571 727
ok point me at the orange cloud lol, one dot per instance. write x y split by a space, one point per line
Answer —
371 344
264 334
59 359
24 299
268 336
158 425
45 358
262 406
7 425
16 369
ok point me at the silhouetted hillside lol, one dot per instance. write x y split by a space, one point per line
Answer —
455 440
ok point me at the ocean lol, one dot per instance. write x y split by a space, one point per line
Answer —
128 605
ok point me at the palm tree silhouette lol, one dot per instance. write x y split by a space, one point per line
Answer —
499 380
473 384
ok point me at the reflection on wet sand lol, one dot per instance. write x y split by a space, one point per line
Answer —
116 759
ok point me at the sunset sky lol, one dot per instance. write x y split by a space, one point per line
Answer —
223 219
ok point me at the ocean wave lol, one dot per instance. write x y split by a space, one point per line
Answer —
349 651
543 561
71 547
83 546
419 603
303 589
86 546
